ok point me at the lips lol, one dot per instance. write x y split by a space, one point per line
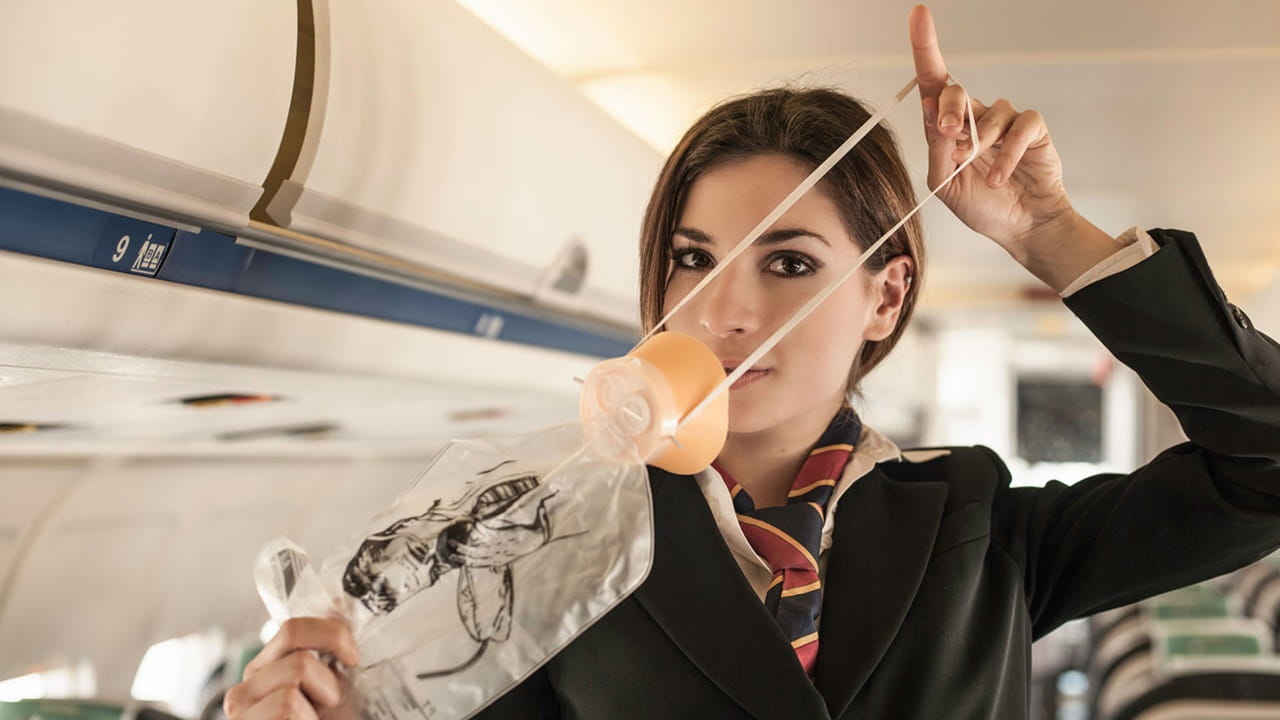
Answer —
749 377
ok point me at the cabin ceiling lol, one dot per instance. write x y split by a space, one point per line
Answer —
1164 110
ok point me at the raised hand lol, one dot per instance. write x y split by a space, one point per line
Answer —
1013 191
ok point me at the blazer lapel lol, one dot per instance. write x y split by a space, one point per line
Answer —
700 598
870 582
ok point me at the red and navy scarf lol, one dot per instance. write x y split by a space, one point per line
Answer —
788 537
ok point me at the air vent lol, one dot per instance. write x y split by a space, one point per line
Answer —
475 414
223 399
20 427
310 431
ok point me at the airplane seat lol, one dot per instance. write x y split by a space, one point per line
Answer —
1266 584
1102 624
147 712
1209 696
1202 668
1248 580
59 709
78 709
1264 604
1124 645
1126 641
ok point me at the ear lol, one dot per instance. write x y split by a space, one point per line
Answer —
888 293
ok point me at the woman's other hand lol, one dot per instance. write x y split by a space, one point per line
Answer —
1012 192
288 680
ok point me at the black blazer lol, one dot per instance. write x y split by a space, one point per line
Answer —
940 575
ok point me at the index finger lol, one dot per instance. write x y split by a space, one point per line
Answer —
931 71
307 633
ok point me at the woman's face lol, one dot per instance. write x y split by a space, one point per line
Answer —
804 376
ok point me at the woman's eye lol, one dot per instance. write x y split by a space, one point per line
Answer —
691 259
791 266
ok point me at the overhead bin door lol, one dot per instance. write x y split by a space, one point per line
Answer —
443 144
172 107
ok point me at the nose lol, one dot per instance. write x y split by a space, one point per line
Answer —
728 306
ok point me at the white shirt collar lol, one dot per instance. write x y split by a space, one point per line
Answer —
872 448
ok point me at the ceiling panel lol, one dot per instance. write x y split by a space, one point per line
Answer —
1163 110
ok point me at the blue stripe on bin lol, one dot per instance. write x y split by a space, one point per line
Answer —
50 228
59 230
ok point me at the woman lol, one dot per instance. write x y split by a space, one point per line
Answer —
920 597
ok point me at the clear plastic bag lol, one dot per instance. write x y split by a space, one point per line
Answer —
503 551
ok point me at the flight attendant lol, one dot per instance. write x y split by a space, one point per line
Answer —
816 570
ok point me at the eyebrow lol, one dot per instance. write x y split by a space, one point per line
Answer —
770 238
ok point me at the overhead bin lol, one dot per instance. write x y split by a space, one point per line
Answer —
171 109
437 141
138 140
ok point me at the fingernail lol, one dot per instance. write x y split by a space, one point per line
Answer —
949 120
995 177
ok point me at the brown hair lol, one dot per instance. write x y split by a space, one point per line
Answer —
870 186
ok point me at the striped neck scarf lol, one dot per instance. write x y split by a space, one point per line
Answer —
788 537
